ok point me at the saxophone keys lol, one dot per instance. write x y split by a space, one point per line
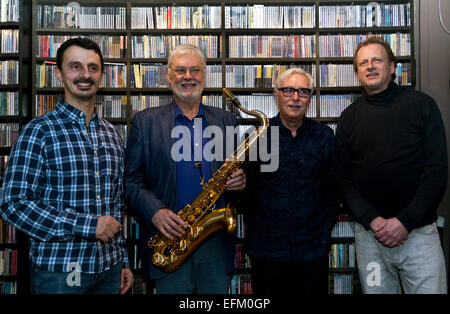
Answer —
152 242
158 259
182 246
190 219
172 258
195 232
197 211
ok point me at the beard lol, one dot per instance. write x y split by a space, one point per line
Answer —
189 96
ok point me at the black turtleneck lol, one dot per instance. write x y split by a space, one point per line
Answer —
385 97
392 157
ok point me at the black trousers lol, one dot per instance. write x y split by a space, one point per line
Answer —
281 278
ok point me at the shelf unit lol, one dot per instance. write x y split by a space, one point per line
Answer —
222 58
326 97
241 278
343 272
16 111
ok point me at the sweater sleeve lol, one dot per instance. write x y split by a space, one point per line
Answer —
434 179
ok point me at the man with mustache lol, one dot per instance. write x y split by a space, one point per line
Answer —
392 172
290 212
63 186
157 186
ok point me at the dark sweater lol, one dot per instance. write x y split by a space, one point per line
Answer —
392 157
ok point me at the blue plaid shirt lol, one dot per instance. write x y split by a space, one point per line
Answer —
61 177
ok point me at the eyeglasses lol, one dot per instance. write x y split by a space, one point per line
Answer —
182 71
290 91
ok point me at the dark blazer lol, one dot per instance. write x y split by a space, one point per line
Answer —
150 172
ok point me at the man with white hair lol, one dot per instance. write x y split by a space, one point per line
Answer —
290 212
157 186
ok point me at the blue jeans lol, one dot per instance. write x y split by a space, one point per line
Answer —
46 282
204 272
418 263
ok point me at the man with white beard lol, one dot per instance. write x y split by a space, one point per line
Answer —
157 187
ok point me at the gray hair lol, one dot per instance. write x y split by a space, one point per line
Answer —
293 71
185 49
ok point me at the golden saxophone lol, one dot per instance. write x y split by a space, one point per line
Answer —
201 215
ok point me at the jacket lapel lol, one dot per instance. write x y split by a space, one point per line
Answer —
166 124
213 119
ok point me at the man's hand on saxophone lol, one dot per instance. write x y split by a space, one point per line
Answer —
173 226
169 224
237 181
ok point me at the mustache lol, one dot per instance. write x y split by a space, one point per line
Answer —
88 81
188 82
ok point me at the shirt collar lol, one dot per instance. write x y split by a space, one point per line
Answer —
177 114
68 112
284 130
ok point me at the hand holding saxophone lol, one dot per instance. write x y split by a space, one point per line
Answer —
237 181
169 224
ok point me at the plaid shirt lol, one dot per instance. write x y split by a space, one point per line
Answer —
61 177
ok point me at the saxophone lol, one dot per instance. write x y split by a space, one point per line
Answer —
201 215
